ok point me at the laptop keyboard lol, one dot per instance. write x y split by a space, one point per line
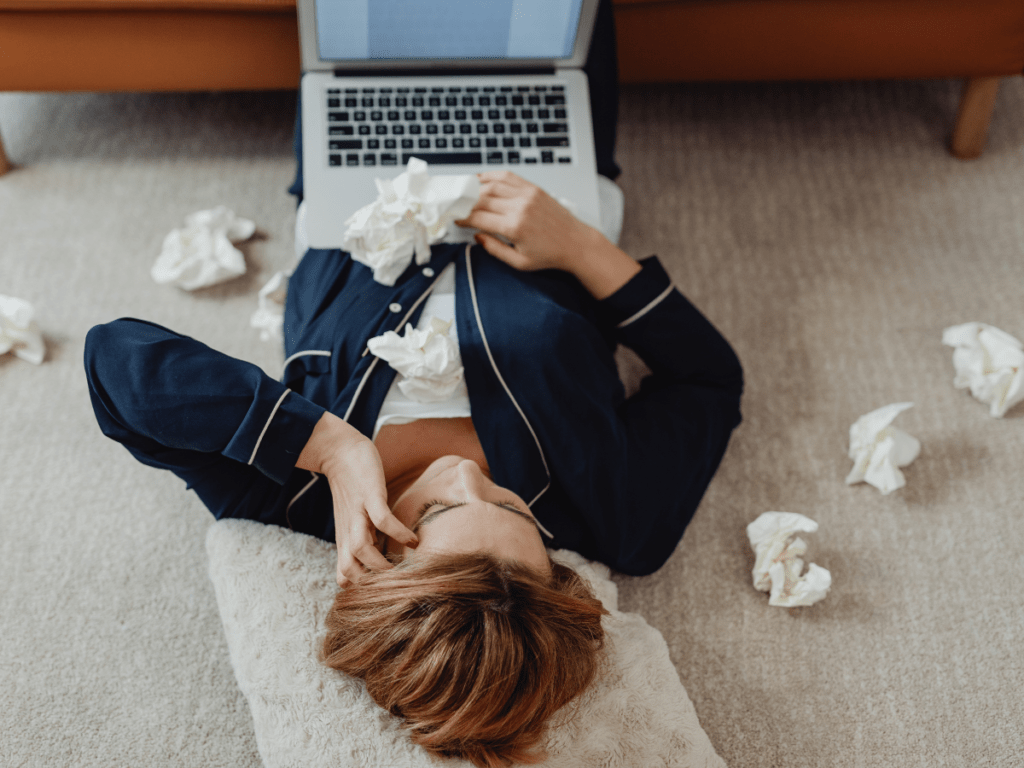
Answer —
492 125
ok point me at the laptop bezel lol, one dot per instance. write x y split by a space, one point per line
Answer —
311 61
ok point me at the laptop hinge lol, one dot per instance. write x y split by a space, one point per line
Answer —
442 72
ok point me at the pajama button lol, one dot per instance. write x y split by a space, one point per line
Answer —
396 307
428 272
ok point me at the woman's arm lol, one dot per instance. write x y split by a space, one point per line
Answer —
352 466
649 458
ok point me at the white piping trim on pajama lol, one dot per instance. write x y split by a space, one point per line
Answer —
636 316
296 497
487 348
267 425
303 353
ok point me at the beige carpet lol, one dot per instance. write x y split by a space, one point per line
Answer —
823 227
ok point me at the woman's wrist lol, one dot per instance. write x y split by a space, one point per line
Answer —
600 266
329 435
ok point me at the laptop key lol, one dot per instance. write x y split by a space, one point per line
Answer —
451 101
485 101
554 100
376 115
530 160
359 116
417 101
492 143
434 101
448 128
352 159
401 101
513 157
384 101
445 158
367 101
332 103
369 159
393 114
524 141
465 128
527 114
407 144
457 143
431 127
533 99
560 114
345 130
508 141
552 141
510 114
337 117
441 143
415 129
547 156
532 127
409 114
397 129
428 115
351 103
380 129
498 128
556 128
364 130
544 114
495 158
424 144
474 143
500 101
565 160
390 143
373 144
481 128
334 159
517 101
388 158
477 114
515 128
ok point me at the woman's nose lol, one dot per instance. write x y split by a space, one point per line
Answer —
472 477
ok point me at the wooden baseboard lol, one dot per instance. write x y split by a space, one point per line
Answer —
976 104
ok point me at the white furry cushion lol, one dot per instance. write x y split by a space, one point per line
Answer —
274 588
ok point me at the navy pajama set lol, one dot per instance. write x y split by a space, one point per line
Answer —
616 479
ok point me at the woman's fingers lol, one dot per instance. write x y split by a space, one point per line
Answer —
385 522
499 250
487 221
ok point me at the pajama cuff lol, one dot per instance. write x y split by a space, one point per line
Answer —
642 293
275 430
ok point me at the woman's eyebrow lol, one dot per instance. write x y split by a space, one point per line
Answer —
432 515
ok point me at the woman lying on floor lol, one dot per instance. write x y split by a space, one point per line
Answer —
452 611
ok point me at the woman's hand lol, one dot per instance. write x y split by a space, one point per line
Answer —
353 469
544 235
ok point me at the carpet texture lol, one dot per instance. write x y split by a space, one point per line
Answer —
275 588
822 227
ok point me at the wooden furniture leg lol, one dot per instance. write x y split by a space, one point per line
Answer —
5 164
976 103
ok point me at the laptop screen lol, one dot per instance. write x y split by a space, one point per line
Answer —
360 30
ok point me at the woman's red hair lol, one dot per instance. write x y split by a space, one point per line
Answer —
474 653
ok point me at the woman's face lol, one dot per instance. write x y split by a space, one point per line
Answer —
454 508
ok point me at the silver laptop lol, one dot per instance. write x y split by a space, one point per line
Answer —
466 85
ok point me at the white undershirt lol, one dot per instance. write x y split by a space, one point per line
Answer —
400 409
